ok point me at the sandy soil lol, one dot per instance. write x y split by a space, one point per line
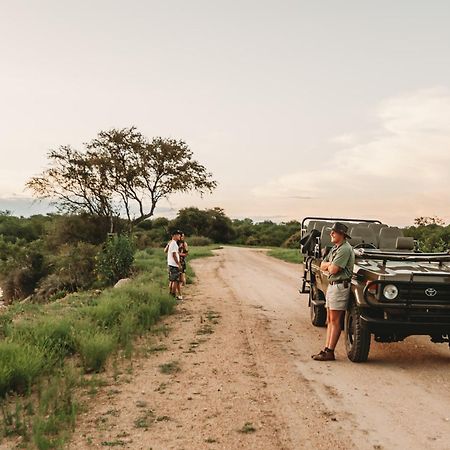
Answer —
243 342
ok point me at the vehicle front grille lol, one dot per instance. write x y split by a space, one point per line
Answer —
425 293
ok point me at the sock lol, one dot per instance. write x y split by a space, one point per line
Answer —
329 349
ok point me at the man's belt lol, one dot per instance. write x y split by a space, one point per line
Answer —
346 282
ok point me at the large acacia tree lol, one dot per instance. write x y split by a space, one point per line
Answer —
120 172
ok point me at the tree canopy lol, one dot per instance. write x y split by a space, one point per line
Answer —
120 172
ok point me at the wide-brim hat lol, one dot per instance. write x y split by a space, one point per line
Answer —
341 228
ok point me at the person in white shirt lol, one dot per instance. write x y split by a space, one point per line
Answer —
174 265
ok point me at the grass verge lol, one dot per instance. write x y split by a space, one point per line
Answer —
291 255
48 350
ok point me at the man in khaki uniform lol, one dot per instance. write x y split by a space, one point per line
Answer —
338 264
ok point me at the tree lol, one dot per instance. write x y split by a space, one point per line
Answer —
120 171
220 226
211 223
192 221
424 221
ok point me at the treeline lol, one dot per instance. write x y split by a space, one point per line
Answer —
214 226
431 237
47 257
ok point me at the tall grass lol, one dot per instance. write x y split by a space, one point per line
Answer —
88 328
94 348
286 254
20 364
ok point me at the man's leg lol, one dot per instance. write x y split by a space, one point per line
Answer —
335 328
327 343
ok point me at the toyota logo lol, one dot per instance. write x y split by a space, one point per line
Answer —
431 292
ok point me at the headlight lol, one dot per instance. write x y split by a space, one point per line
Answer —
390 291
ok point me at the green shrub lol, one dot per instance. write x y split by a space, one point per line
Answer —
74 270
116 259
22 265
20 365
293 241
199 241
94 348
252 240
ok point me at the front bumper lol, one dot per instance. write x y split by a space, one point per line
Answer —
404 327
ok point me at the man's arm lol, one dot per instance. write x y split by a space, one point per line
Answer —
335 266
329 267
175 257
333 269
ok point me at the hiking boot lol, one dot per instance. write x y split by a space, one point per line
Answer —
324 355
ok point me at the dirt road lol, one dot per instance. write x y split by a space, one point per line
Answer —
243 342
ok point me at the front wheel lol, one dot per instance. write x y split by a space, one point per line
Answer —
318 313
357 337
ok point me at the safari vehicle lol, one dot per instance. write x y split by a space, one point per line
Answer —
396 291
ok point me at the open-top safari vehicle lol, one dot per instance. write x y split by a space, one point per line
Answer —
396 291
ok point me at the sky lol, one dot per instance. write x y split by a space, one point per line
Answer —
298 108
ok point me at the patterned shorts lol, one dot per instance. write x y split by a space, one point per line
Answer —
174 273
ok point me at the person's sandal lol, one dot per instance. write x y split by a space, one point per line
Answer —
324 355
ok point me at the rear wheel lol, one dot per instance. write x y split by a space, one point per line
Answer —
318 313
357 337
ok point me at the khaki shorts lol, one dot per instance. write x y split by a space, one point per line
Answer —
337 297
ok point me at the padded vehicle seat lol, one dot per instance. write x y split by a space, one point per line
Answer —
356 240
325 240
320 224
388 238
366 234
405 243
376 228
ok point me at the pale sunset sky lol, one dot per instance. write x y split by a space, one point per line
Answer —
297 107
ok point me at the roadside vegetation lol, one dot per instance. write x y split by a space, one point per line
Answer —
47 257
286 254
50 351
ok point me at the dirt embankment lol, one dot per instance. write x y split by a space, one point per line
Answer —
235 372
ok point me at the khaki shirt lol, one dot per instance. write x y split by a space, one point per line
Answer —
343 257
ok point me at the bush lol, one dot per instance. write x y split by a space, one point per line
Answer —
116 259
293 241
199 241
71 229
252 240
21 267
94 348
74 270
21 364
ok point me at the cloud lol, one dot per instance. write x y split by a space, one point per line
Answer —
400 171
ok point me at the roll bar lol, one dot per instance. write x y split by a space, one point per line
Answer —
402 256
337 219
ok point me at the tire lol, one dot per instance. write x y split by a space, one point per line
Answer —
318 313
357 337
